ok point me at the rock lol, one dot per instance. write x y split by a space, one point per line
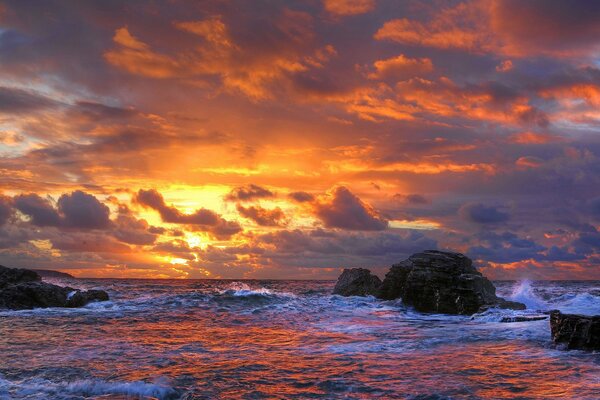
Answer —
524 318
357 282
22 289
80 299
577 331
442 282
48 273
394 281
11 276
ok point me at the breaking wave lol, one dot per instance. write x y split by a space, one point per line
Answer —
37 388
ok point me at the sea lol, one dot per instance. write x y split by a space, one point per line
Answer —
273 339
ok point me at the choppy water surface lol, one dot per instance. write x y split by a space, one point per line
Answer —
289 339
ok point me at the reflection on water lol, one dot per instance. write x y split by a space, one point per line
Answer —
276 339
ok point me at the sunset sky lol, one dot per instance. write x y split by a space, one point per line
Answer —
280 139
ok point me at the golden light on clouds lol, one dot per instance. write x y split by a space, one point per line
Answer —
286 140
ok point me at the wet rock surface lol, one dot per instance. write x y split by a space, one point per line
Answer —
357 282
22 289
576 331
432 281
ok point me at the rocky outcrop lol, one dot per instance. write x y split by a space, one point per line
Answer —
357 282
576 331
445 282
48 273
431 281
22 289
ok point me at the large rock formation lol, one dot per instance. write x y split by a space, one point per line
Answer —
22 289
577 331
357 282
433 281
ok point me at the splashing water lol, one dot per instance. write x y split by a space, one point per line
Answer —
525 294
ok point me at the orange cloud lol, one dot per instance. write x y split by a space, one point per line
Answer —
348 7
250 70
533 138
401 67
460 27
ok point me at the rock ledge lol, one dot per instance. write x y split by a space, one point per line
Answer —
23 289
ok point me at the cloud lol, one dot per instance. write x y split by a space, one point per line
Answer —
6 209
460 27
202 219
17 101
482 214
247 62
547 26
263 216
131 230
78 210
84 211
301 197
348 7
400 68
39 209
342 209
414 199
249 192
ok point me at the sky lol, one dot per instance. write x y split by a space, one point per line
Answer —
290 139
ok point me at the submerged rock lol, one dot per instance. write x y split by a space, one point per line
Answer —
430 281
22 289
357 282
523 318
577 331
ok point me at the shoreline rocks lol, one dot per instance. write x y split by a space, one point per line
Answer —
431 281
357 282
576 331
23 289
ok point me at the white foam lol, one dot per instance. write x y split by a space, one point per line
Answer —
43 388
523 293
583 303
240 289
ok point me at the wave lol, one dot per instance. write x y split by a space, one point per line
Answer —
44 388
524 293
239 289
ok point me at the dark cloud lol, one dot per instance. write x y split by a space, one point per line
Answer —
320 248
482 214
414 199
547 25
131 230
594 206
249 192
6 209
17 101
301 197
203 219
346 211
39 209
84 211
263 216
78 210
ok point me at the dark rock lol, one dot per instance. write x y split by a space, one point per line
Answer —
524 318
394 281
48 273
22 289
577 331
11 276
357 282
442 282
80 299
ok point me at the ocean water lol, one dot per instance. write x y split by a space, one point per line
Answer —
160 339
